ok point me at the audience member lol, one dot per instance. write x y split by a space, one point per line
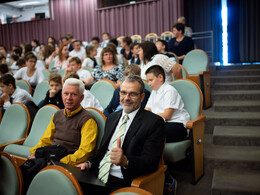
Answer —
62 61
30 73
78 50
135 57
51 39
109 68
4 53
115 41
167 103
149 56
53 96
3 69
96 43
187 30
114 104
70 41
2 59
49 55
119 57
64 41
161 46
126 51
35 46
11 93
106 38
90 60
180 44
89 99
75 66
78 134
121 156
20 63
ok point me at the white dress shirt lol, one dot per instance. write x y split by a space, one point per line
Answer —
36 78
90 101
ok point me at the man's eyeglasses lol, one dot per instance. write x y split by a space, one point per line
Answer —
130 94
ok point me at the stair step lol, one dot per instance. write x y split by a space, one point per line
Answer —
236 95
232 157
238 72
236 135
231 79
236 106
238 67
237 86
230 119
235 182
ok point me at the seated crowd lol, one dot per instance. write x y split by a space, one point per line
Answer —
138 121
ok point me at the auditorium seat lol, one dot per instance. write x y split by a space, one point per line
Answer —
46 73
15 125
54 180
176 151
147 87
131 191
11 180
167 35
40 92
197 64
153 37
103 90
136 38
39 125
23 84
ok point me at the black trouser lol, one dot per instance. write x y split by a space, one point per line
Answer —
175 132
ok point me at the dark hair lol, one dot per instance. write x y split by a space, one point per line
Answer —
53 39
1 58
48 51
156 70
76 41
95 39
106 33
20 62
14 57
64 38
75 59
18 51
132 78
36 41
88 49
127 40
4 68
8 79
163 43
27 48
179 26
55 77
112 46
132 45
113 41
30 55
149 50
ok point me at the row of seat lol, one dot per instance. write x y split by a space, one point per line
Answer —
153 37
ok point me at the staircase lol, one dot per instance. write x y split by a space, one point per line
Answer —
232 131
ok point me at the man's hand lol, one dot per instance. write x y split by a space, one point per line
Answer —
52 92
5 97
31 156
83 166
117 156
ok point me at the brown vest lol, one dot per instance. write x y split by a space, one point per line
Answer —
68 129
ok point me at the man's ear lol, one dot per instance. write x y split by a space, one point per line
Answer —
10 86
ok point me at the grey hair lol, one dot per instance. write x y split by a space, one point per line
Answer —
183 19
132 78
73 81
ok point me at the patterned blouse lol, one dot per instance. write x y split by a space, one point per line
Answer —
114 74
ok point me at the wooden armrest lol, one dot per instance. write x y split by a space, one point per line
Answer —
204 72
19 142
190 124
142 180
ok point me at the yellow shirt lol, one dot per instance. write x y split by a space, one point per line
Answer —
87 144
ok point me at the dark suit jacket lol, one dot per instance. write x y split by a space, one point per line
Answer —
143 143
115 101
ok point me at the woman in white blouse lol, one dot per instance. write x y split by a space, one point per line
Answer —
30 73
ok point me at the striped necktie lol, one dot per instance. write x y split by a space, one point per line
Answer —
105 164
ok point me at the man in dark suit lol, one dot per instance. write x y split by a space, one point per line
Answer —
138 151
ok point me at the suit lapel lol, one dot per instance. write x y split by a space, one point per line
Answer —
133 128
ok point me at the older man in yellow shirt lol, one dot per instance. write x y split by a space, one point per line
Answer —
74 127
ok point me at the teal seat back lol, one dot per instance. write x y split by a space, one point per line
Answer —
46 73
103 91
10 176
23 85
39 125
40 91
147 87
101 121
191 96
15 123
51 65
185 74
61 72
195 61
52 182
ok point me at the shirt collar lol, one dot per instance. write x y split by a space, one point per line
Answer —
73 112
161 88
130 115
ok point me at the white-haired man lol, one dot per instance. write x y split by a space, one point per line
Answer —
72 127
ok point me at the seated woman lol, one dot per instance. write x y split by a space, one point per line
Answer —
30 73
149 56
126 51
62 61
109 69
180 44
